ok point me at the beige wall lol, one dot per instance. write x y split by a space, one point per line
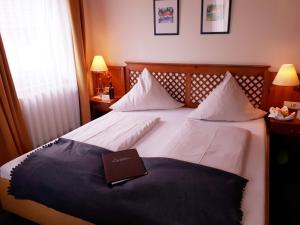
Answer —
262 32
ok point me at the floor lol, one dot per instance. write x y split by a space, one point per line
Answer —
11 219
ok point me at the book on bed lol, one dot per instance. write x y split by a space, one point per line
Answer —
122 166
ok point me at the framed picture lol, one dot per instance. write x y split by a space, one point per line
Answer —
215 16
166 17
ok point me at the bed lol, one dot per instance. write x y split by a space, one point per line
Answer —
185 84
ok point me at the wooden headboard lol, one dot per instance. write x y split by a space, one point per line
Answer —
192 83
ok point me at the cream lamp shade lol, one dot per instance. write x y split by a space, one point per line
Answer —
98 64
286 76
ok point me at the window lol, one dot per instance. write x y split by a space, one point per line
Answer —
38 43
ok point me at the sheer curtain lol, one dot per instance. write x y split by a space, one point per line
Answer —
38 43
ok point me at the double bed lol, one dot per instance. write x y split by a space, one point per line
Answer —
182 82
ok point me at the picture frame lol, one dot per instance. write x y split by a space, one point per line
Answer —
166 17
215 16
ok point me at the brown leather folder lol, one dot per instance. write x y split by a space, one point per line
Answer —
122 166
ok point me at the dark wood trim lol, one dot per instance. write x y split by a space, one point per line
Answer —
129 63
188 101
266 90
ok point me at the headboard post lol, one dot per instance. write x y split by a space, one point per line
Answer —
266 90
187 90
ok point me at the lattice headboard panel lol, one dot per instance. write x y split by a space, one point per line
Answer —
173 82
203 84
191 84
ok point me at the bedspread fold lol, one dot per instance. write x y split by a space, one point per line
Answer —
119 131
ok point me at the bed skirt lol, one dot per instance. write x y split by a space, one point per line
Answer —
34 211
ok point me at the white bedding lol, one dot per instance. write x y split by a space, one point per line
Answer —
117 131
221 147
154 142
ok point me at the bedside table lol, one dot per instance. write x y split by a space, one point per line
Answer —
284 171
99 106
285 128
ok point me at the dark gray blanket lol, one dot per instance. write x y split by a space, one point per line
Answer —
68 176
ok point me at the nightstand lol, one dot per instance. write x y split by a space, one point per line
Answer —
284 171
99 106
285 128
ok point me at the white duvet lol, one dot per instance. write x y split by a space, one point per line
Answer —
118 131
221 147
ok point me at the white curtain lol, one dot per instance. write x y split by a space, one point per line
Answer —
38 43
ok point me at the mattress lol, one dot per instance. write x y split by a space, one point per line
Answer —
152 145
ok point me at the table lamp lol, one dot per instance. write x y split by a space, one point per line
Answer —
99 67
287 76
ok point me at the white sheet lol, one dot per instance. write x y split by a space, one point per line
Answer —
221 147
153 143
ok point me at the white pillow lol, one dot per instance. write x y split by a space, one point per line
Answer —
146 94
227 102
